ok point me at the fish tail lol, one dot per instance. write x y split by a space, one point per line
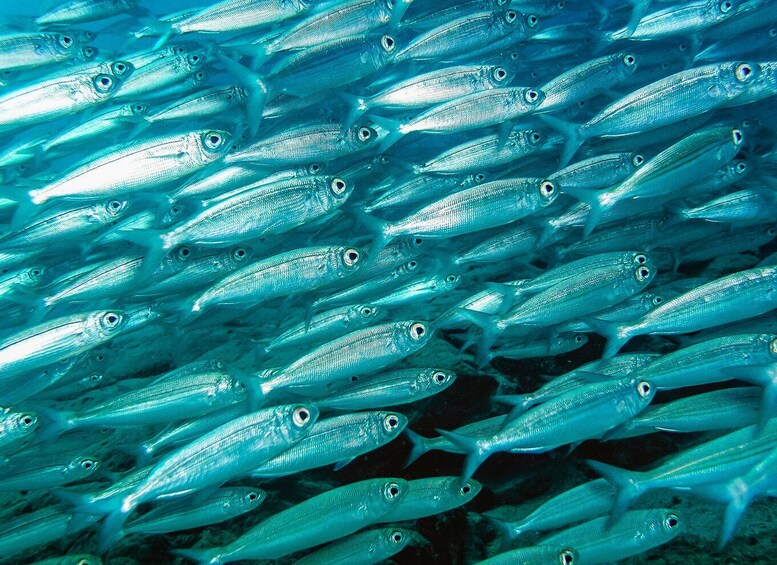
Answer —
203 556
616 335
625 482
393 127
111 531
254 389
476 452
257 91
357 106
157 243
420 445
27 209
519 402
596 203
506 530
397 13
380 229
490 332
572 133
738 503
55 422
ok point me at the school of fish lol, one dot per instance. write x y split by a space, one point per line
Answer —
259 257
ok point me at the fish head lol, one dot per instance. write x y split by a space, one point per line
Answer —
63 44
451 281
253 497
22 422
736 78
110 212
192 62
385 494
297 419
31 277
433 380
764 350
642 394
387 425
363 314
548 192
720 10
107 323
387 47
83 466
410 336
335 191
88 53
236 257
212 144
362 136
121 69
347 259
103 86
625 65
392 540
644 272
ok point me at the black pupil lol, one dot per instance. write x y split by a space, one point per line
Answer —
353 256
439 377
111 319
465 490
303 415
419 330
252 496
393 491
397 537
27 421
105 82
240 252
214 139
67 40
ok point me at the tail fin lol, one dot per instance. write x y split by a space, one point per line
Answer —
393 127
572 132
398 12
380 229
55 422
419 447
357 106
257 91
157 242
519 402
488 324
738 503
506 529
476 452
202 556
627 487
616 335
596 204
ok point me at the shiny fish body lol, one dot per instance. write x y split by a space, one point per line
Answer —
338 439
15 426
355 353
306 268
31 50
236 15
391 388
326 325
364 548
78 11
212 101
45 474
224 504
330 515
426 497
141 165
102 124
42 526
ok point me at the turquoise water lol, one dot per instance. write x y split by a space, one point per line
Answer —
690 254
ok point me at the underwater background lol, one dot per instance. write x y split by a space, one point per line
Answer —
685 251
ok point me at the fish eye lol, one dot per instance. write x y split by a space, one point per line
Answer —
36 272
195 59
239 253
560 5
642 273
773 346
501 2
350 257
84 562
547 189
314 168
640 259
88 464
300 416
671 521
417 331
510 16
366 311
179 50
629 60
65 40
743 72
726 6
184 252
138 108
412 265
499 74
417 242
89 52
338 185
252 496
466 489
213 140
95 378
532 20
657 300
535 137
480 177
111 319
773 32
391 490
566 557
396 536
364 133
390 423
450 279
737 136
200 76
514 56
637 160
384 160
644 389
388 43
531 96
578 339
103 83
27 420
438 377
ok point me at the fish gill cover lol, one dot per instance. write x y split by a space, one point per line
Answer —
354 281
